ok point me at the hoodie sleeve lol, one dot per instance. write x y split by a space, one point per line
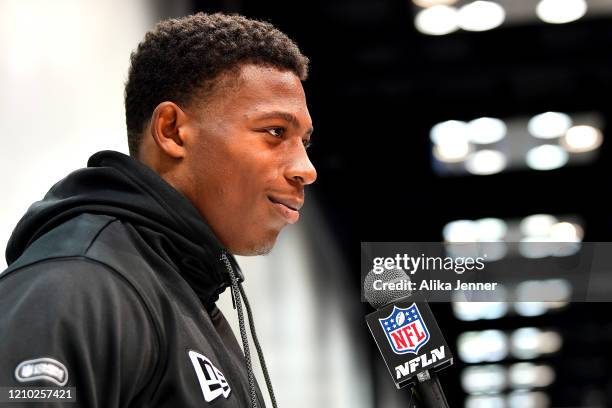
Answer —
75 323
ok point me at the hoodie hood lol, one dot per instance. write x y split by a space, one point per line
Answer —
118 185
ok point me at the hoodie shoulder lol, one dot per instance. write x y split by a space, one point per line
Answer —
72 238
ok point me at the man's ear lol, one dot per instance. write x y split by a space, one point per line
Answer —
168 129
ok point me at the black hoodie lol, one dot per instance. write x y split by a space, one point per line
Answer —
111 289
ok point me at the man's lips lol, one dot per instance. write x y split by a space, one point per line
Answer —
293 203
288 207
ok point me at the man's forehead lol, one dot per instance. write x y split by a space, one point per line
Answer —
266 92
254 74
260 84
254 92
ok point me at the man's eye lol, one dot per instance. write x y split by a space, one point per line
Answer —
277 132
307 143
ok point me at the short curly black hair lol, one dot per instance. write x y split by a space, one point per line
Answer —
182 57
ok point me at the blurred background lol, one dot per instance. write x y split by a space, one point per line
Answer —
436 120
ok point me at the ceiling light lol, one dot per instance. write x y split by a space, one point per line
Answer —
430 3
579 139
546 157
481 16
486 130
437 20
549 125
485 162
560 12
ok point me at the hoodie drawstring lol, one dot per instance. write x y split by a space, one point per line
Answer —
262 361
238 293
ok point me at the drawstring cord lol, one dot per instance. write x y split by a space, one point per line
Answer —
237 292
262 361
243 334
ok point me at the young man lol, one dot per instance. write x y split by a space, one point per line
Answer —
113 276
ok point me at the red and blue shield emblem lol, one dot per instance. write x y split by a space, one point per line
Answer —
405 329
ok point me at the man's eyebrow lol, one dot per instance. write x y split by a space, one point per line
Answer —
289 117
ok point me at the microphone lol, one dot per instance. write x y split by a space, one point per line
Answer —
407 335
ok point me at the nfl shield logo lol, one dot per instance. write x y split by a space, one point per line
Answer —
405 329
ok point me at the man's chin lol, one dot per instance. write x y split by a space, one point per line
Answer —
262 247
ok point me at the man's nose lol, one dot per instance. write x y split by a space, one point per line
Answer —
300 168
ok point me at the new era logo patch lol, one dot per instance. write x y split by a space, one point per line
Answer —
212 381
42 369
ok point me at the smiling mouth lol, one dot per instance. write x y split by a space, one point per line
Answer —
286 203
288 209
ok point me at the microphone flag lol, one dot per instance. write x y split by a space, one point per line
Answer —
409 339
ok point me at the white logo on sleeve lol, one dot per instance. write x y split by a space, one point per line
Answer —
212 381
42 369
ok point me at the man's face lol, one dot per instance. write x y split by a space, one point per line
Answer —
247 164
